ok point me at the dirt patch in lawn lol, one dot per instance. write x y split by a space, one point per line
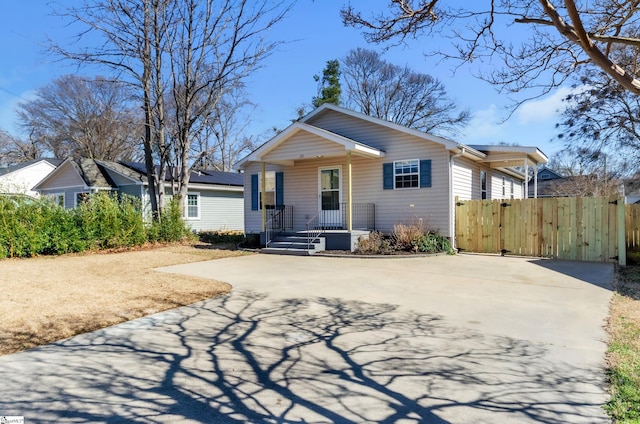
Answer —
51 298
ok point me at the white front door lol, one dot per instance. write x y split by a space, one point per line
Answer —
330 196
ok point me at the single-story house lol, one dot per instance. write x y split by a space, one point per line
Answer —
22 177
214 200
342 173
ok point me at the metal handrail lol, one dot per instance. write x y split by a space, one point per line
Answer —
281 219
313 230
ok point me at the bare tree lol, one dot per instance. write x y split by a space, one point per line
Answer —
77 117
215 46
601 116
585 173
564 36
398 94
15 150
223 139
183 53
131 41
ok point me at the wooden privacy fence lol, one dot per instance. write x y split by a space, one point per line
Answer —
577 228
632 224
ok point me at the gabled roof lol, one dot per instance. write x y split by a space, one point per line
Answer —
449 144
552 174
92 174
22 165
296 127
502 157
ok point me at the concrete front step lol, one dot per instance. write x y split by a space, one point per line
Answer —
294 244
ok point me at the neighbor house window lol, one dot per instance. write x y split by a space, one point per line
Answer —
57 198
82 197
504 187
269 190
512 192
483 185
192 209
406 173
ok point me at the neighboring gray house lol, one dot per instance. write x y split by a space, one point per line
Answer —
632 190
214 201
22 177
342 173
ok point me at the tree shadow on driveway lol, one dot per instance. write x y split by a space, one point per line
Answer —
247 357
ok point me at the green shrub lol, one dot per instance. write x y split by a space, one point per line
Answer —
171 226
30 227
221 237
432 242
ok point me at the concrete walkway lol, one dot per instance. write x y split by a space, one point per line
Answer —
464 339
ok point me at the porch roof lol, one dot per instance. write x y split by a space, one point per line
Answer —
344 144
508 156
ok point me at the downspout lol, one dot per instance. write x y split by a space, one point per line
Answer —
263 209
349 195
452 200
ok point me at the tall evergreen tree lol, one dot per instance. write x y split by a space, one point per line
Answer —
329 89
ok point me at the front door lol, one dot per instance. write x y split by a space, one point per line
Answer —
330 197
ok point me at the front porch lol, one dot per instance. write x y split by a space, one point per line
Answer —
339 227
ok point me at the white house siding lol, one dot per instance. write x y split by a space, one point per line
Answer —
22 181
304 145
300 184
466 181
219 210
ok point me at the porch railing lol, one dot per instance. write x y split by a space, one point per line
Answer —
335 216
279 220
314 230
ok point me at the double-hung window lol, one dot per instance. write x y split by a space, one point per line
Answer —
57 198
406 173
483 185
192 207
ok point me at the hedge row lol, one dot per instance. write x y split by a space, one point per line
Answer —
30 227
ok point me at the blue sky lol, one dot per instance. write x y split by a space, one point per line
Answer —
315 34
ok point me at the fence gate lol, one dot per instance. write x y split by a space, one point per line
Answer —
578 228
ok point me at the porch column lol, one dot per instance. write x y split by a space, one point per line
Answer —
526 177
263 184
535 181
349 211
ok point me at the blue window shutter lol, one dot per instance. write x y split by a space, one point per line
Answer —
425 173
387 176
254 192
279 189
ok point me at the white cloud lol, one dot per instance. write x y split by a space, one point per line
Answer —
545 109
484 124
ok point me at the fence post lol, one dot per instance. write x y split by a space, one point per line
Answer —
622 232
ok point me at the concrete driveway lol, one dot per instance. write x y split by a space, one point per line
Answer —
447 339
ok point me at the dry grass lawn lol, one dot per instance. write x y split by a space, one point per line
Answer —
51 298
